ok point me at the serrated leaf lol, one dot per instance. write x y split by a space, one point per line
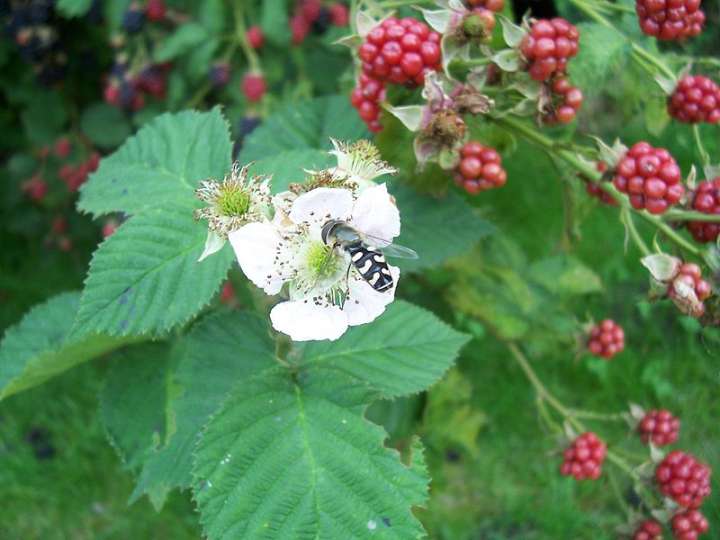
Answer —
133 398
565 275
436 228
160 165
38 347
185 38
287 459
73 8
104 125
403 352
306 125
287 167
145 278
219 352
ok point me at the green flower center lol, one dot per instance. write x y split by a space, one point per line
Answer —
322 261
233 202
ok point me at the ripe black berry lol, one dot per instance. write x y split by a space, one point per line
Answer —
651 178
133 19
480 168
659 427
683 478
219 74
583 459
695 99
706 200
548 47
670 19
606 339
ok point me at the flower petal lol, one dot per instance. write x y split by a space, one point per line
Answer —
322 204
364 304
213 243
304 320
256 246
375 213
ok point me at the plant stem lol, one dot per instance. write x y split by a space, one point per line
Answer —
704 155
688 215
627 218
241 37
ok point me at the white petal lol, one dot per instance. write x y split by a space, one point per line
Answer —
375 213
304 321
365 304
256 246
213 243
322 204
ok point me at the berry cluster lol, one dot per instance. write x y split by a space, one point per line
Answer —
566 102
126 88
659 427
691 275
480 168
136 14
648 530
651 178
695 99
366 98
706 200
548 47
683 478
493 5
35 188
583 459
606 339
670 19
594 190
75 175
689 525
312 15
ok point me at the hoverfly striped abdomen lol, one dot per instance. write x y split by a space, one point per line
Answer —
371 265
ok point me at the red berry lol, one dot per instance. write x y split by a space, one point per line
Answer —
35 188
683 478
111 94
109 228
59 225
706 199
670 19
62 147
400 51
299 28
155 10
339 14
548 47
93 162
651 178
492 5
606 339
691 275
366 96
583 459
227 294
65 244
695 99
480 168
648 530
567 102
253 86
659 427
594 189
310 10
255 37
689 525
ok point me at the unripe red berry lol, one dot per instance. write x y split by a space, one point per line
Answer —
670 19
255 37
659 427
366 97
35 188
155 10
339 14
706 199
695 99
227 294
492 5
65 244
689 525
651 178
594 189
62 147
479 169
109 228
584 457
689 274
648 530
59 225
299 28
548 47
683 478
567 102
310 10
606 339
253 86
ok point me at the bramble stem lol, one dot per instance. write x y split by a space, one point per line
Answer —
704 155
688 215
627 218
241 37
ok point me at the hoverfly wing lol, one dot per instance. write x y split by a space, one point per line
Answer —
389 249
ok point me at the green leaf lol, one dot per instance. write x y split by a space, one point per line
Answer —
145 278
565 275
38 347
213 16
104 125
403 352
287 459
160 165
73 8
133 398
437 228
45 118
220 351
287 167
274 22
601 50
185 38
306 125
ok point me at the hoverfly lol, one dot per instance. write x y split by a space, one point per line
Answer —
366 252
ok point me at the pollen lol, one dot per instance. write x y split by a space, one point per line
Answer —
322 261
233 201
